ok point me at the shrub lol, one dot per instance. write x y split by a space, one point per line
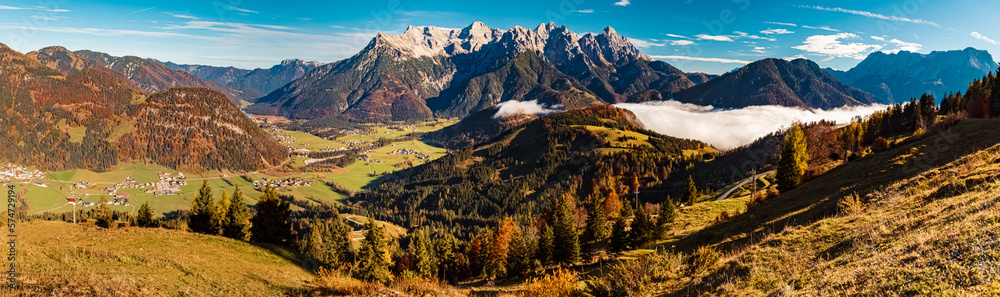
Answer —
560 283
703 259
637 277
851 204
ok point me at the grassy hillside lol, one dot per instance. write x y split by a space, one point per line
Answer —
62 259
918 219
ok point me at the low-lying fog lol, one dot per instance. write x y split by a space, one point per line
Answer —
727 129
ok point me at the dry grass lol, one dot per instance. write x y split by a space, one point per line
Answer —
925 221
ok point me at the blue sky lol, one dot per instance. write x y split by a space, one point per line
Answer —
694 35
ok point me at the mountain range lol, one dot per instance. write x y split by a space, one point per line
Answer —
799 83
252 83
81 114
429 71
897 77
148 76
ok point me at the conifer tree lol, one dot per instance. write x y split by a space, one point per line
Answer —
202 210
271 223
220 214
103 213
641 227
237 218
597 222
373 255
145 217
690 191
519 254
794 159
423 253
619 237
667 215
444 249
545 243
566 241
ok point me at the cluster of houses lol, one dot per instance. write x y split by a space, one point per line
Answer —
168 184
405 151
291 182
15 172
336 149
83 185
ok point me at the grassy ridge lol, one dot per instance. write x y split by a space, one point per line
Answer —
56 258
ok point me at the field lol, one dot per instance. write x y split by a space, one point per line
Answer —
56 258
59 185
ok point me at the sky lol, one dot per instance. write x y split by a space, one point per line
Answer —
711 36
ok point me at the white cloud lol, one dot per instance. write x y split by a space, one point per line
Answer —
745 35
873 15
644 44
514 107
678 36
898 45
584 11
830 45
718 60
623 3
727 129
243 10
783 24
759 50
821 28
714 37
104 32
982 37
39 8
681 42
776 31
183 16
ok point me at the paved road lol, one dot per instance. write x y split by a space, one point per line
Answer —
743 182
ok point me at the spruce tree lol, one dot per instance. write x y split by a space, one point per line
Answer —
220 214
667 215
202 209
338 241
690 191
597 222
794 159
423 253
641 227
444 249
145 217
519 254
103 214
566 241
373 255
237 218
619 237
271 223
545 243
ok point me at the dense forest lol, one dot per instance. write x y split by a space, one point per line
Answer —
95 118
525 171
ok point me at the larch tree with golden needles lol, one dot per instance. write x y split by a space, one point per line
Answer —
794 159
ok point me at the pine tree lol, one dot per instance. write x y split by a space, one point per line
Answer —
220 214
103 213
597 222
641 227
373 256
519 254
545 243
271 224
794 159
202 209
237 218
338 241
566 241
690 192
423 253
145 217
619 237
667 215
444 249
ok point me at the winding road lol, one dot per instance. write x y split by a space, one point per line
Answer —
741 183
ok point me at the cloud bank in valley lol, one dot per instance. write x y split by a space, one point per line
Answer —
514 107
727 129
